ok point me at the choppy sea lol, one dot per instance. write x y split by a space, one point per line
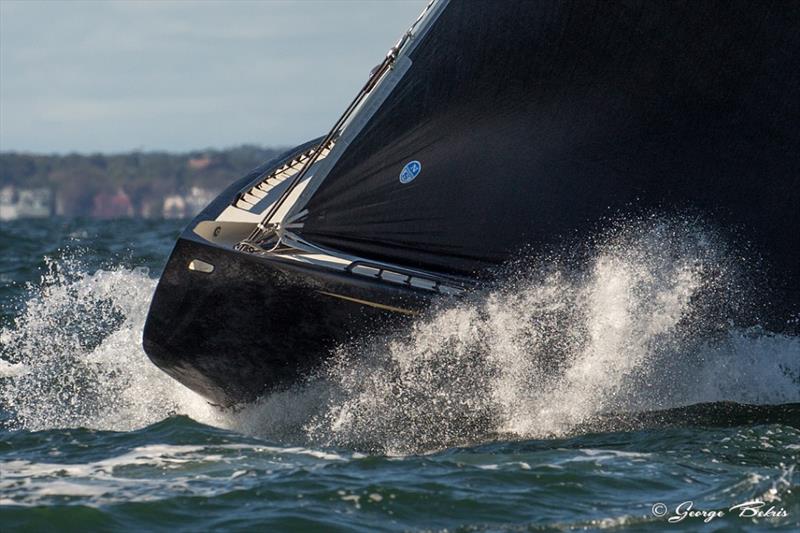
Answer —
550 403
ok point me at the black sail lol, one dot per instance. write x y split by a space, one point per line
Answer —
533 119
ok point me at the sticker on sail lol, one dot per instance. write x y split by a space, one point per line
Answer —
410 171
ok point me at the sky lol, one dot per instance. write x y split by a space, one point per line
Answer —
115 76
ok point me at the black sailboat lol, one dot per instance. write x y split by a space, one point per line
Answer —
490 127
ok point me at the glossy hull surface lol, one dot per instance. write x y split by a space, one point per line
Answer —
258 323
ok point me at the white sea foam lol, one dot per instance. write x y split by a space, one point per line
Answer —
140 474
73 358
644 328
540 355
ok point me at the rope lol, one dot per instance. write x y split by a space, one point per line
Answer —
264 228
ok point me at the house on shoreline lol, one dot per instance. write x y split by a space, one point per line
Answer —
16 203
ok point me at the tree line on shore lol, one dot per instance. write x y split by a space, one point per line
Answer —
79 182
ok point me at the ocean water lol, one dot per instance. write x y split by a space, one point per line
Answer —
618 397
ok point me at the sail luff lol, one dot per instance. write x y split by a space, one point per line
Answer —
383 87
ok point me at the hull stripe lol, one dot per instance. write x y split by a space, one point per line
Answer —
371 304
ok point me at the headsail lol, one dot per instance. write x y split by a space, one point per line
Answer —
383 77
515 110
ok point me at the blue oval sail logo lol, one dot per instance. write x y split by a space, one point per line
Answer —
410 171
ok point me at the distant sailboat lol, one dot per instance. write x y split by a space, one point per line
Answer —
490 127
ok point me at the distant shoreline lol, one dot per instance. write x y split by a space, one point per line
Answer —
134 184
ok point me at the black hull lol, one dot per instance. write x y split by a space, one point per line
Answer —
259 323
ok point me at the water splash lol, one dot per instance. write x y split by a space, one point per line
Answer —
73 358
642 324
646 326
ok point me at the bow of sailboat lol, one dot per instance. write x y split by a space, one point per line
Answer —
487 129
